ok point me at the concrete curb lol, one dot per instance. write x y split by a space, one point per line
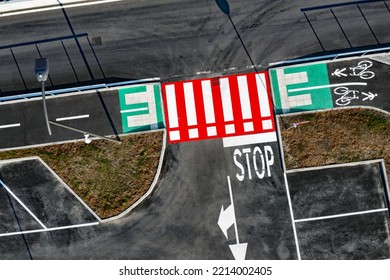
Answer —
128 210
334 109
334 165
151 188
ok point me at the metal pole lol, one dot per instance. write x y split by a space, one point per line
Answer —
44 107
85 132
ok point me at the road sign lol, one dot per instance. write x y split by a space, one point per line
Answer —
218 107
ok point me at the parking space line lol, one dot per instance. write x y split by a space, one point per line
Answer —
341 215
292 216
9 125
21 203
72 118
48 229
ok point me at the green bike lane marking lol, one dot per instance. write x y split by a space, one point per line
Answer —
141 107
301 88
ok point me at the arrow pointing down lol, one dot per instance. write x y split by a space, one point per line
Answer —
239 250
226 219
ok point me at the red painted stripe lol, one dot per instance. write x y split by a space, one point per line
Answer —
237 112
200 114
218 109
181 111
254 99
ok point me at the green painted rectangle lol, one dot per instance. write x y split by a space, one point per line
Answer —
145 107
316 74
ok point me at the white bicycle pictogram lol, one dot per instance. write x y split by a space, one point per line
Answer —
347 95
361 70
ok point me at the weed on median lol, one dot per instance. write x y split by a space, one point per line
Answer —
109 177
337 136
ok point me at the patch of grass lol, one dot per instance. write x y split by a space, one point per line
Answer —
109 177
338 136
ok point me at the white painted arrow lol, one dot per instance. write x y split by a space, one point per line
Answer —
239 250
339 73
370 96
226 219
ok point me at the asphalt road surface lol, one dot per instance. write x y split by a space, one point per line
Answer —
172 39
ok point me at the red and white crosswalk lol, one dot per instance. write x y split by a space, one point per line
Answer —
218 107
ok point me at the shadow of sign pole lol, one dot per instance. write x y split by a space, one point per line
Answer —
224 7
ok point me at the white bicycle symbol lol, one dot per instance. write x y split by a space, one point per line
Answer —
361 70
345 98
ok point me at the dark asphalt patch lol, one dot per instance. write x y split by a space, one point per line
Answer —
348 238
338 190
341 190
363 70
13 217
43 194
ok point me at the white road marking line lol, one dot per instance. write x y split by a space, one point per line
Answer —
208 101
9 125
341 215
72 118
263 95
327 86
48 229
22 204
134 110
190 103
249 139
226 99
43 9
171 106
244 97
292 216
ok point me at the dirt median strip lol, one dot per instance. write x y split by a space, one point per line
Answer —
336 136
107 176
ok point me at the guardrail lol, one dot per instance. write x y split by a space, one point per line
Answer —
329 56
78 89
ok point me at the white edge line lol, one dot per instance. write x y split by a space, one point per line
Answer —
234 211
292 216
341 215
48 229
336 165
327 86
48 8
21 203
9 125
72 118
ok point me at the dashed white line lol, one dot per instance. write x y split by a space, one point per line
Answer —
48 229
9 125
22 204
341 215
72 118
